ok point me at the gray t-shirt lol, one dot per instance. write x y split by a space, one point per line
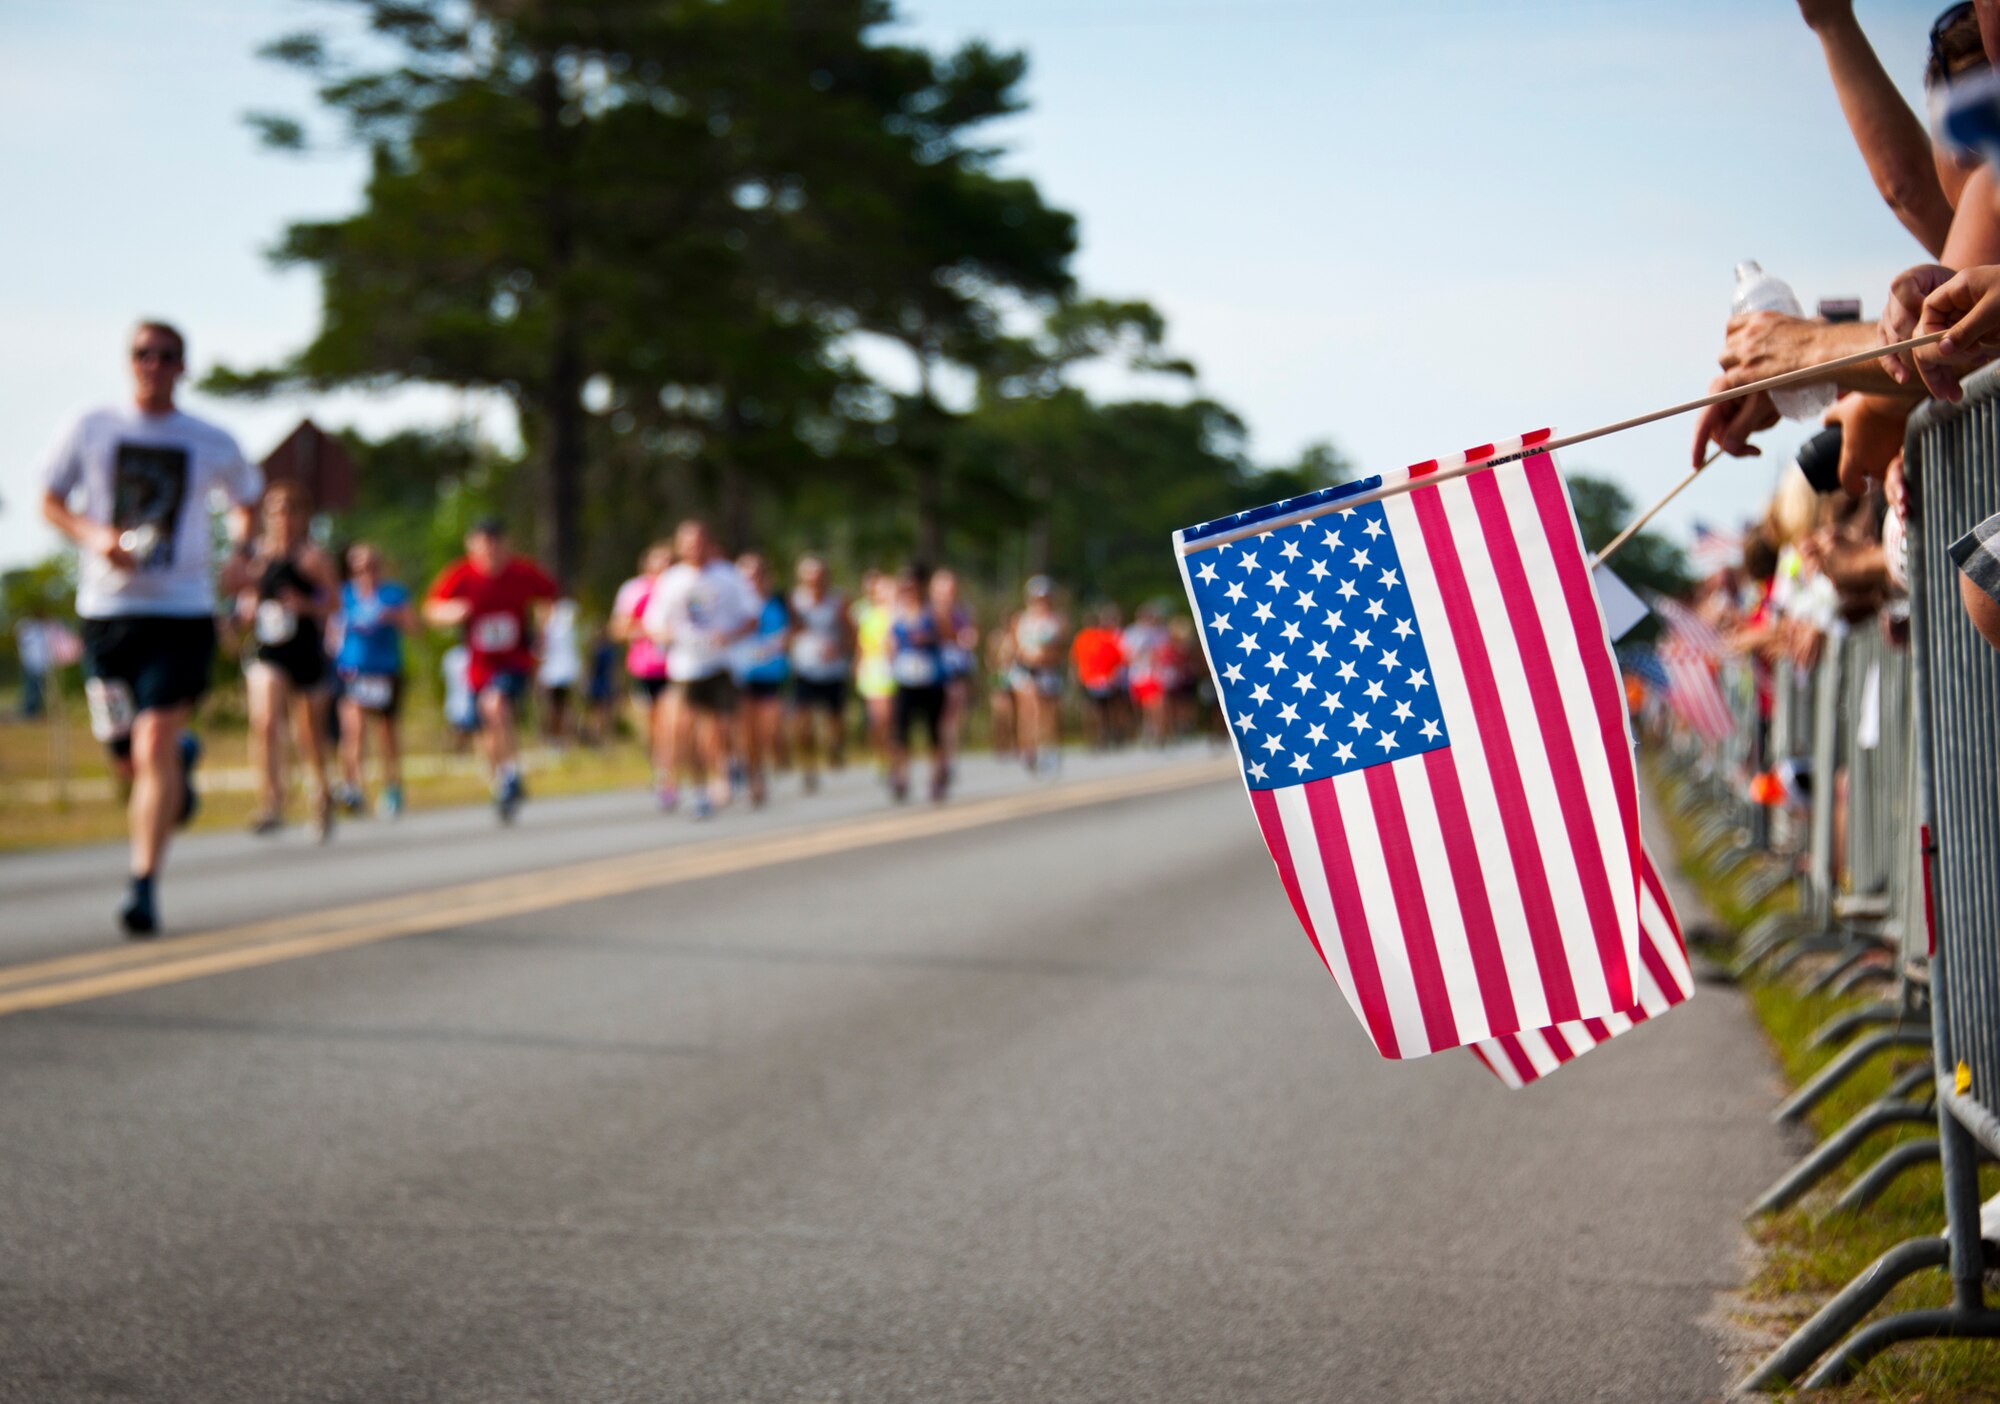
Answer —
153 476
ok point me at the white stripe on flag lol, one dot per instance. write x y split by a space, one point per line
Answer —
1468 1008
1559 861
1495 838
1614 855
1387 930
1310 869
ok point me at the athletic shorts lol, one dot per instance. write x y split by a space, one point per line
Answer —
649 689
716 693
514 684
759 690
1048 682
820 695
143 663
302 660
918 705
378 694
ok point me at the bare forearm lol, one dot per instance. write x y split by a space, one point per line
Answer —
1893 142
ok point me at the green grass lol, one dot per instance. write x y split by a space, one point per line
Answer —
1809 1251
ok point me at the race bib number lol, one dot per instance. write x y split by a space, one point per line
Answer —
276 624
496 633
111 709
372 692
914 669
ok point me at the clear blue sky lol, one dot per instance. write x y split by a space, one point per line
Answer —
1402 229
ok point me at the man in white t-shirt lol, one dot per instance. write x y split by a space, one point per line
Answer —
700 607
132 486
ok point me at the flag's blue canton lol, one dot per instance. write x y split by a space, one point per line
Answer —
1316 647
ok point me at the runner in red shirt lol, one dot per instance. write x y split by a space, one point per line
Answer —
496 597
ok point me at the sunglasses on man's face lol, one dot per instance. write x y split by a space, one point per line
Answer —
165 355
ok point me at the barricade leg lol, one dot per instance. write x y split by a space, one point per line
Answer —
1871 1183
1860 974
1831 1153
1854 1020
1857 949
1968 1317
1845 1311
1851 1060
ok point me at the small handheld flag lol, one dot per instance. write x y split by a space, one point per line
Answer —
1430 724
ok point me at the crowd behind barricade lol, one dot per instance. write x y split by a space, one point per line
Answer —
730 670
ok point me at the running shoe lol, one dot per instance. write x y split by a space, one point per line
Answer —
940 783
508 796
703 807
266 824
668 797
390 806
349 798
138 916
190 757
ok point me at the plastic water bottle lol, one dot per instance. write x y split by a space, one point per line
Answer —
1758 291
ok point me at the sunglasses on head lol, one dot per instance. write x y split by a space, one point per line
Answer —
165 355
1953 15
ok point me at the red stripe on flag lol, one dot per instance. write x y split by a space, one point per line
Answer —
1426 971
1482 938
1268 819
1595 1028
1419 470
1656 966
1651 877
1524 1066
1558 742
1559 1045
1473 455
1348 915
1585 619
1530 874
1530 440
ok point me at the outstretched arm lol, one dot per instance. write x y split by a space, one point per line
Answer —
1893 142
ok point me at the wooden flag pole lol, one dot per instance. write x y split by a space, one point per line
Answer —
1445 475
1639 522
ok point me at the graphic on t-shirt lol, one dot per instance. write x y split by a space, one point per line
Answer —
148 490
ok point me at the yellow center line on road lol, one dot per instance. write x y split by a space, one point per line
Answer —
119 970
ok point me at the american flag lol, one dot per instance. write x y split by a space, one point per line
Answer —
1665 980
1432 730
1694 693
1713 550
1689 629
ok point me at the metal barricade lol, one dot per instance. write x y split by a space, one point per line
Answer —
1952 893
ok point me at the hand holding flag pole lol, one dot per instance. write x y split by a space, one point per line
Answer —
1392 489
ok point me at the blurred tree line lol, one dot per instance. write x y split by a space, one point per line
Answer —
663 230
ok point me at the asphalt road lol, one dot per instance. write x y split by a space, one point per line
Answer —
1054 1107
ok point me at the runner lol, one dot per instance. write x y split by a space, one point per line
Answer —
1144 640
958 653
762 664
493 595
916 647
873 614
822 659
461 708
131 486
646 666
1039 635
561 671
700 607
1098 656
374 614
1000 659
